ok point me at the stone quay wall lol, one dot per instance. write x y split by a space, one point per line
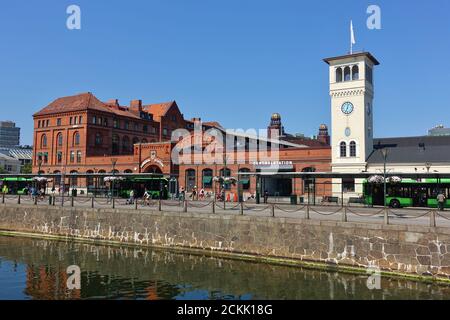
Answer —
409 250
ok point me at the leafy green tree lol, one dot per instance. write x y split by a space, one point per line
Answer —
26 169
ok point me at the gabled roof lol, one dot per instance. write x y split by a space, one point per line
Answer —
83 102
213 124
78 102
159 109
421 150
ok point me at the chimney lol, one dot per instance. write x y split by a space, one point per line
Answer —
113 103
136 106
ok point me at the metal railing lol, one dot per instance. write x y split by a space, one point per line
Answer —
347 213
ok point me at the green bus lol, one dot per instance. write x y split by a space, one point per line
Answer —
407 193
16 185
157 187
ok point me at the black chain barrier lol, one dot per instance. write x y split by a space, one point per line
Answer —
256 210
366 214
290 211
411 217
325 213
191 205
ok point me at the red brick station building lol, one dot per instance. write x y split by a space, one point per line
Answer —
82 135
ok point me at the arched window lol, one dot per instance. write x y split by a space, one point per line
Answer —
115 144
98 139
135 140
190 180
126 145
144 140
347 74
245 180
73 178
59 139
339 75
44 141
90 180
207 178
343 149
353 149
76 139
355 73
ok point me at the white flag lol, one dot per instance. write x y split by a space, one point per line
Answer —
352 33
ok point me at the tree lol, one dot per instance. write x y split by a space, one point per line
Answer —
26 169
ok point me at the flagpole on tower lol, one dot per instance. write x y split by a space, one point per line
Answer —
352 37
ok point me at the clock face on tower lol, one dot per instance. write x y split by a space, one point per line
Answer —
347 108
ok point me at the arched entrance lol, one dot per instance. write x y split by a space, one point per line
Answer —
153 169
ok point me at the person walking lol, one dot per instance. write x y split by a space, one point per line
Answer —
147 197
131 199
181 193
441 200
266 196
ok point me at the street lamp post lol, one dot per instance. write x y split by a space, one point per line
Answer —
113 162
384 152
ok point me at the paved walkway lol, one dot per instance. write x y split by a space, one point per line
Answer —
354 213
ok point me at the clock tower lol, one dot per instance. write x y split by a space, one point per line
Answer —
352 94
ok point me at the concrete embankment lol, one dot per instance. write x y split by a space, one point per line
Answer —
413 251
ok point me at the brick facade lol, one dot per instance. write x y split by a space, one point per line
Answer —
81 134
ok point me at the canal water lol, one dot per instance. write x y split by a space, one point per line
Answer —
38 269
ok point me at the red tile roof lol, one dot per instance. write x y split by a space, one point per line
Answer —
87 101
158 110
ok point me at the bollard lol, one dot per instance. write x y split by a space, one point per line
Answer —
54 200
135 204
433 219
49 200
3 198
92 203
241 208
307 212
272 209
35 200
344 215
185 206
113 203
18 200
71 201
386 216
159 205
213 208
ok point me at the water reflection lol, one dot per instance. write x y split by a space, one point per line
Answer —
36 269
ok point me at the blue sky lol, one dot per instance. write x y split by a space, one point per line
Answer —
235 61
